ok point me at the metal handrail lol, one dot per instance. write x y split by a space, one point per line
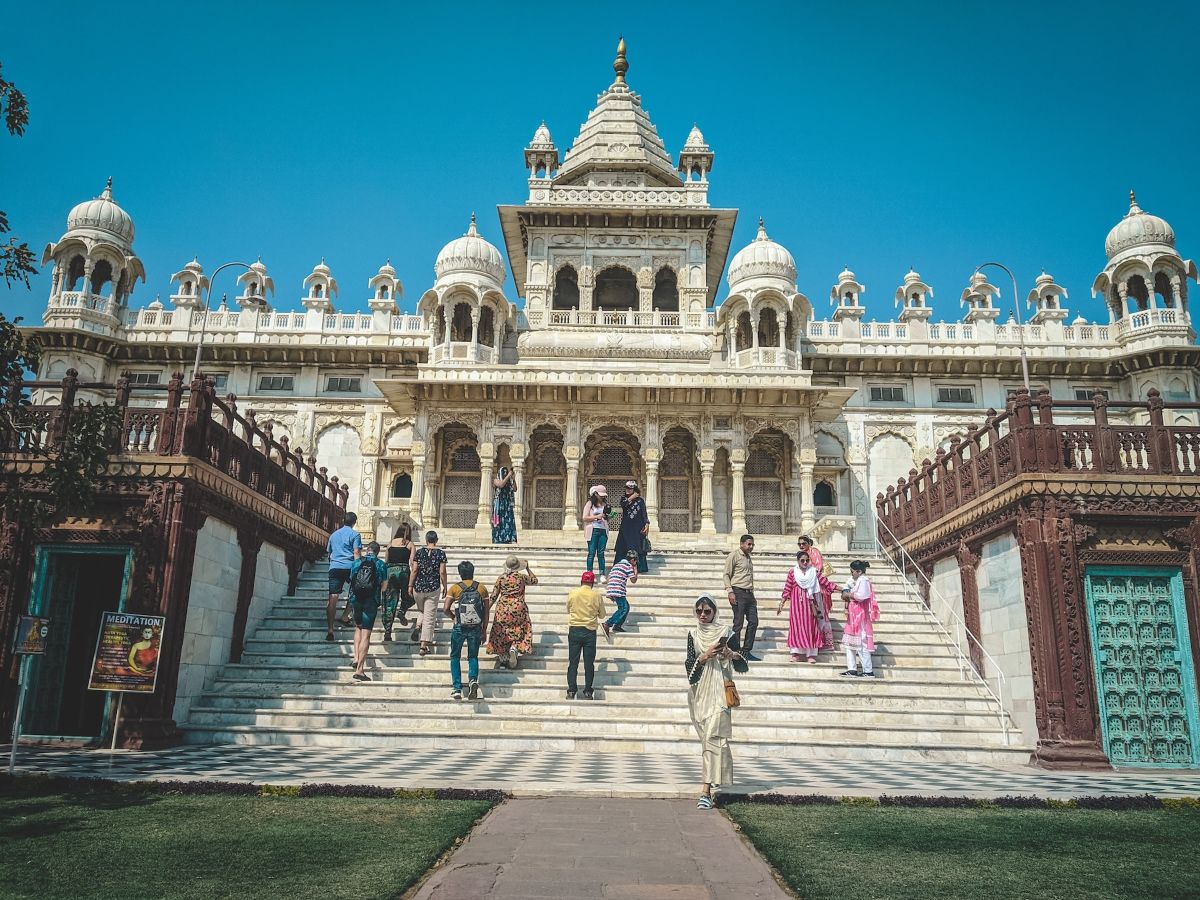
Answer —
964 660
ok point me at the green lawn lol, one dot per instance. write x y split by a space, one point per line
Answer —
841 851
101 842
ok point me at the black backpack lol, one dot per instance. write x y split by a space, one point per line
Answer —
365 583
470 605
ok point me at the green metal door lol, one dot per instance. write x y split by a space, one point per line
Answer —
1142 654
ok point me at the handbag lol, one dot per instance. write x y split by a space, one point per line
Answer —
732 698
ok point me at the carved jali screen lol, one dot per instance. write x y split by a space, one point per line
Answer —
1143 665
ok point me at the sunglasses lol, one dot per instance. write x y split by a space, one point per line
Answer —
704 611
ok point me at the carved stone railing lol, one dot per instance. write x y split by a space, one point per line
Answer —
1026 438
193 423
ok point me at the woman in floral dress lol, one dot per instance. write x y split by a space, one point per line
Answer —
511 635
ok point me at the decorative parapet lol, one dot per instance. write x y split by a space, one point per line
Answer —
1011 444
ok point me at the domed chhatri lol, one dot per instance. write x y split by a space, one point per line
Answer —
762 258
470 254
104 214
1137 229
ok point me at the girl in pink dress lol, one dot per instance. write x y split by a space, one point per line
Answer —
861 613
827 589
801 594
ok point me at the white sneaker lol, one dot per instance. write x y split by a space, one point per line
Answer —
604 579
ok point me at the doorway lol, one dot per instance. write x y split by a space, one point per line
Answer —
73 587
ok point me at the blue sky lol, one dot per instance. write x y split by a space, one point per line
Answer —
874 135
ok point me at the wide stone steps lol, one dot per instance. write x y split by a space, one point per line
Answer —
292 687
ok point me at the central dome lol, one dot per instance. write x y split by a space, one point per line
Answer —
1136 229
104 214
470 253
762 257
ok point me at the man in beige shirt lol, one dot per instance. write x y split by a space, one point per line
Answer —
585 607
739 583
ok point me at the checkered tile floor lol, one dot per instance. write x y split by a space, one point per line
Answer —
543 773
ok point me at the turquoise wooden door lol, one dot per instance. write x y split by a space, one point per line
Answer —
1143 659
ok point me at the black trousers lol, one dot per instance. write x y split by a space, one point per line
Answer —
745 607
581 641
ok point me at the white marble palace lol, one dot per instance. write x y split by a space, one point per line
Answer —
613 355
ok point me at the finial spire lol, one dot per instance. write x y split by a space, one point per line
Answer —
1134 209
472 230
106 194
621 64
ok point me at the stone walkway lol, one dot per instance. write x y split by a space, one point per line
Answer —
604 849
545 773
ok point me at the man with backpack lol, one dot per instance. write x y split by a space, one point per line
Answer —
468 603
367 576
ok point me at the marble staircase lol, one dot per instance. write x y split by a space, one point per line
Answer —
292 687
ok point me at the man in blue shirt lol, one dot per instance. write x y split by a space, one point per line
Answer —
345 546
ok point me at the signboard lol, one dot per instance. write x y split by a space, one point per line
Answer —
127 653
32 632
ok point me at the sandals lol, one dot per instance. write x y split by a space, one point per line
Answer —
705 802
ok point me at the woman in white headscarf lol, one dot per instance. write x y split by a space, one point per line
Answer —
712 658
802 595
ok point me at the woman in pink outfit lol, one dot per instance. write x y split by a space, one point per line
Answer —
861 613
826 587
801 596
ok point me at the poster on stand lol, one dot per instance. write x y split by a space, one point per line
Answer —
127 653
32 632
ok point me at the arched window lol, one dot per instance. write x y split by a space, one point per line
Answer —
616 288
742 338
566 289
1162 287
666 291
1136 288
768 328
439 325
187 288
317 290
487 327
824 495
402 486
460 323
101 275
75 274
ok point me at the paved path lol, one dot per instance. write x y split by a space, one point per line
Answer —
543 773
606 849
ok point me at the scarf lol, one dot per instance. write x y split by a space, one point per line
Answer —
806 579
707 696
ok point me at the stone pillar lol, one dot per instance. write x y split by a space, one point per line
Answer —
418 489
250 541
968 560
737 465
807 517
487 458
1123 291
518 463
428 509
570 512
708 523
652 489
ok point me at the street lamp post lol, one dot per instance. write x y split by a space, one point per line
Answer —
1017 313
204 321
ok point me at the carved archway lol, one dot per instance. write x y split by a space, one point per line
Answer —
678 475
547 478
461 473
765 488
612 456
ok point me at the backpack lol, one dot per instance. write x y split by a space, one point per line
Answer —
365 583
470 605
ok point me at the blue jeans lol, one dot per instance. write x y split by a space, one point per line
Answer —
622 613
596 547
471 637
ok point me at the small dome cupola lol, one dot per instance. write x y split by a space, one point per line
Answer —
256 285
1138 229
322 288
979 297
95 256
846 296
1047 299
762 263
1145 272
541 156
470 255
192 284
386 290
696 157
102 214
913 297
